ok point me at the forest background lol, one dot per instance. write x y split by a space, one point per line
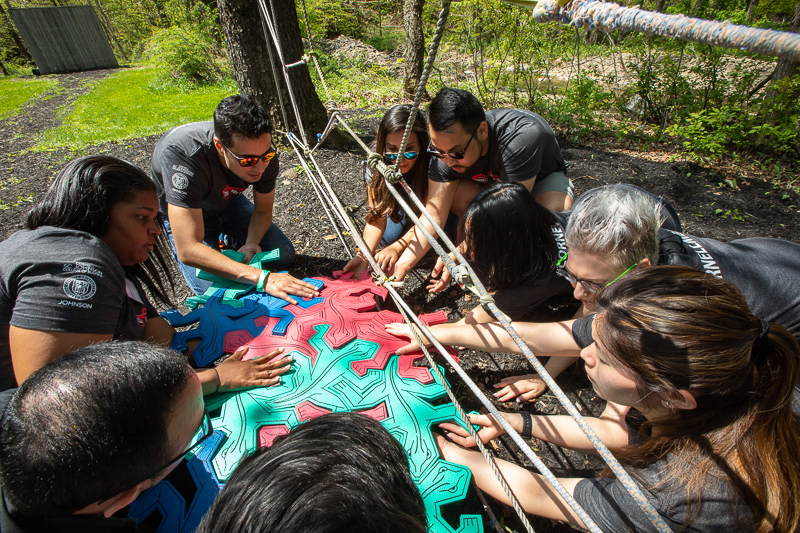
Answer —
700 102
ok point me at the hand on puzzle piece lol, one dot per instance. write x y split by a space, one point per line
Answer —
439 283
523 388
264 371
282 285
249 250
404 330
490 429
357 265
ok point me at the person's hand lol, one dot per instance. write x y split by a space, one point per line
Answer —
490 429
387 258
523 388
401 269
264 371
399 329
282 285
357 265
442 282
249 250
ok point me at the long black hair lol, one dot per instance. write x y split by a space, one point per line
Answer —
508 237
384 204
81 198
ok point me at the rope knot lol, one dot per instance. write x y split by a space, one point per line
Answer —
392 174
331 106
462 275
373 159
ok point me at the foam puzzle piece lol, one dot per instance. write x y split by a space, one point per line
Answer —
231 289
344 361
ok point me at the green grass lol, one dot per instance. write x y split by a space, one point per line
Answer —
130 104
14 93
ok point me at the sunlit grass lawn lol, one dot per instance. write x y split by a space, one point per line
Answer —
128 104
15 92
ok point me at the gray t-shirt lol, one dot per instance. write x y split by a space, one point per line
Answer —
188 172
609 504
522 145
55 279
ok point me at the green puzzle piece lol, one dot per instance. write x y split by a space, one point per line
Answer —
233 289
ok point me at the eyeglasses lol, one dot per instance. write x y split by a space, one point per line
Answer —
202 434
252 160
393 157
454 155
590 286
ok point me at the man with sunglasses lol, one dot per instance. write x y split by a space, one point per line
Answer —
202 171
487 147
87 433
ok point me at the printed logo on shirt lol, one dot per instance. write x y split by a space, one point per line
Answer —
180 181
83 268
483 178
79 287
229 192
182 169
142 318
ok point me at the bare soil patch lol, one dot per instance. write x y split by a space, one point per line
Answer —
722 202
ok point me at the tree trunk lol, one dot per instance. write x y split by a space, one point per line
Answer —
250 57
12 29
786 67
751 8
415 44
660 5
3 68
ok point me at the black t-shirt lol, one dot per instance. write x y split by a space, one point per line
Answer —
55 279
766 272
188 172
522 145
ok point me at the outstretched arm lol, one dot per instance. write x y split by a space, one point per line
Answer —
553 338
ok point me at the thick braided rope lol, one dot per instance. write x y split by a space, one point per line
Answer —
395 176
607 17
269 18
463 416
274 71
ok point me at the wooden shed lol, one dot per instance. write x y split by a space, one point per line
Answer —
64 38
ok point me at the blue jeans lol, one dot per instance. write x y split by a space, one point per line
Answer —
395 230
233 222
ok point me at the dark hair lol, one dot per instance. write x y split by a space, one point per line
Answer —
81 198
508 237
89 425
341 472
678 328
384 204
240 115
455 105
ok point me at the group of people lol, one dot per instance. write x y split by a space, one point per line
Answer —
691 341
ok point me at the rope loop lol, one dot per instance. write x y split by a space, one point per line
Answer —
373 159
462 275
331 107
392 174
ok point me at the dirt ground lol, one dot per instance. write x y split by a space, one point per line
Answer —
721 202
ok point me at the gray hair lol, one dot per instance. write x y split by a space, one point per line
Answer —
618 222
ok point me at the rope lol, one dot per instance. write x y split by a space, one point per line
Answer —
486 300
395 176
463 416
607 17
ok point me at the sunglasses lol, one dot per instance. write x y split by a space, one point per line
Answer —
591 286
453 155
252 160
393 157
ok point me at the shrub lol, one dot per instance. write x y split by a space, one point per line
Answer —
186 56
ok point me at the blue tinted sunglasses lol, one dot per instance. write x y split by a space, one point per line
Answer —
406 155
